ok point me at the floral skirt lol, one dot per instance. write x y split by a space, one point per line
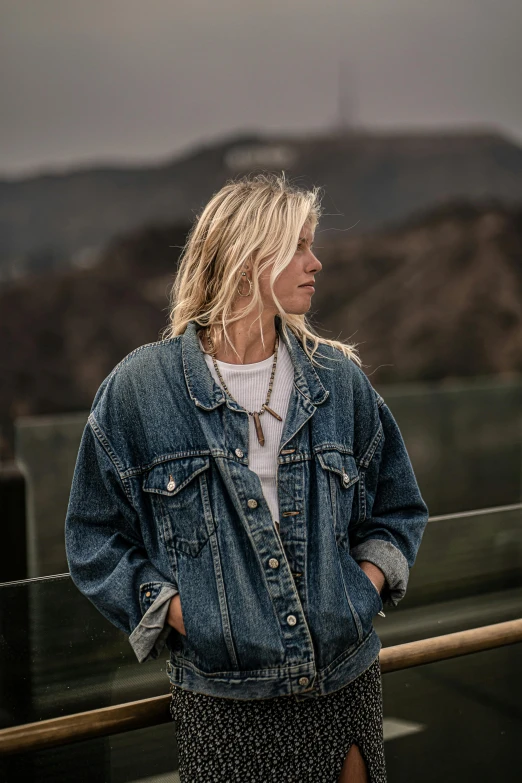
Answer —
280 739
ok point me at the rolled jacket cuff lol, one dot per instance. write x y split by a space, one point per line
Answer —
392 563
149 637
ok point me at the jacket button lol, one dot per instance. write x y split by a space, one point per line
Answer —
238 453
291 619
273 562
252 503
346 478
303 680
171 485
148 594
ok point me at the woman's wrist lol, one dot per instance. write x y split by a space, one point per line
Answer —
374 574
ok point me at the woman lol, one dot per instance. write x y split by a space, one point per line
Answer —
250 507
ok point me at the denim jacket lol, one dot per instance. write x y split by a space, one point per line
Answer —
163 501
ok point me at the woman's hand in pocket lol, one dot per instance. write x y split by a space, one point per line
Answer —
374 574
175 616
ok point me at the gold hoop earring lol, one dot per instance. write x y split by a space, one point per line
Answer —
250 285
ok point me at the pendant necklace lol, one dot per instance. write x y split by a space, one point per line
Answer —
255 414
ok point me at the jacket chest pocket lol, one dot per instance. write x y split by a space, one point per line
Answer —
179 494
343 483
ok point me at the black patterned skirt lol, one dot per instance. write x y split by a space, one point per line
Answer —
281 738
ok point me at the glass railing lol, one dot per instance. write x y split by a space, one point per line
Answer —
145 756
456 721
463 437
59 656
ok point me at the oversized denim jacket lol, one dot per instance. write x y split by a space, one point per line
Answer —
163 501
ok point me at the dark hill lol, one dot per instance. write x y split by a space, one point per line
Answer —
371 180
437 298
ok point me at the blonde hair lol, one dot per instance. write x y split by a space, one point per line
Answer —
255 217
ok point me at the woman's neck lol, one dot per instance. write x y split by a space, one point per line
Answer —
246 341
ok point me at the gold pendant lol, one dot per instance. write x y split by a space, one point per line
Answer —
259 429
274 414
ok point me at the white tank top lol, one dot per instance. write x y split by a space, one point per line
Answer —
248 384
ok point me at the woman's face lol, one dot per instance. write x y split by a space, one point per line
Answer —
289 286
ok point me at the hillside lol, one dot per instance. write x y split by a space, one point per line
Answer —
371 181
439 297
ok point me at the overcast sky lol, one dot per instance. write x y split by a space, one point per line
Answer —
141 80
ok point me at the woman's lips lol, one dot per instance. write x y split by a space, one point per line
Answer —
308 287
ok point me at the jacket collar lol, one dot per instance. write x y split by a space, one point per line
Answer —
206 393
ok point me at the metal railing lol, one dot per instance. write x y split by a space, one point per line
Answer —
154 711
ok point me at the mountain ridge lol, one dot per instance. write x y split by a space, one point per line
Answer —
436 299
370 181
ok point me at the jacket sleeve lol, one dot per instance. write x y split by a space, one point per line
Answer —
395 514
105 550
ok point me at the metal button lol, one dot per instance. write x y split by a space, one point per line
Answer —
252 503
346 477
291 619
148 594
273 562
238 453
303 680
171 485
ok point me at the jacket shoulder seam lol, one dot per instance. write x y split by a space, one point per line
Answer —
372 446
107 447
377 401
102 437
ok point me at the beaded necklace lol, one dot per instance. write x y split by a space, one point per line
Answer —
255 414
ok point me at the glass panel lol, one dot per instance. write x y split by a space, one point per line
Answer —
144 756
467 554
457 720
468 573
59 655
454 721
463 438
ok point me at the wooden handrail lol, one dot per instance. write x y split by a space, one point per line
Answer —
451 645
154 711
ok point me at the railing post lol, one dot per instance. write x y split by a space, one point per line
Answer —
13 552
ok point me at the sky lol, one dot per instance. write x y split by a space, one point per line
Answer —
135 81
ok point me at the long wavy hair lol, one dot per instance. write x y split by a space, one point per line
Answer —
257 217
